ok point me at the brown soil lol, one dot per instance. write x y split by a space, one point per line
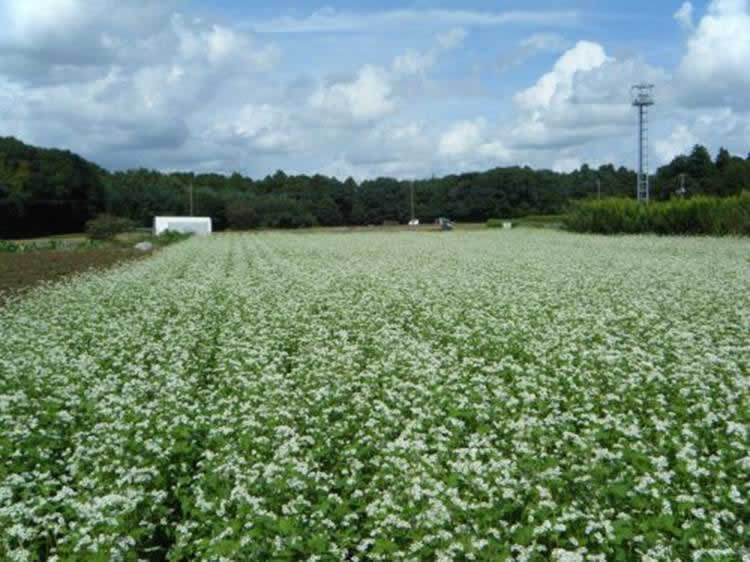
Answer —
19 271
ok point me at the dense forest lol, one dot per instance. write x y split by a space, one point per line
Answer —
48 191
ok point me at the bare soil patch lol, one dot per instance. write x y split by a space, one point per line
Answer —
23 270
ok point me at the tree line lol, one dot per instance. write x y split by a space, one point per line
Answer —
49 191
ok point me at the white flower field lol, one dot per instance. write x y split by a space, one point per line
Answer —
489 395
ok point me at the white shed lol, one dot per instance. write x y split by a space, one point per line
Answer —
196 225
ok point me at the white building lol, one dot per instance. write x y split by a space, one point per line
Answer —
196 225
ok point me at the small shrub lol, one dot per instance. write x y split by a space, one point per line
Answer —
106 227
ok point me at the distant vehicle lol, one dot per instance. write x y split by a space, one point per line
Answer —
414 222
445 224
194 225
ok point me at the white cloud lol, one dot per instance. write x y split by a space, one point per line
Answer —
262 126
413 62
715 67
330 20
495 151
566 164
26 21
217 44
533 45
451 39
679 142
544 42
684 16
559 82
713 128
135 84
584 99
143 96
366 97
74 32
463 137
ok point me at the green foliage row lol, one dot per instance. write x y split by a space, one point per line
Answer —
695 215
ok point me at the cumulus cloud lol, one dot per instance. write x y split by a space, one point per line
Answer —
684 16
714 68
680 141
558 83
714 128
28 21
40 36
263 127
217 44
366 97
462 138
143 95
584 98
144 83
495 152
470 141
384 146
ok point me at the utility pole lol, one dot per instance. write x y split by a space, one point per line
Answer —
411 198
191 199
598 188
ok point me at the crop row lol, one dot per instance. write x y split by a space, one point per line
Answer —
523 395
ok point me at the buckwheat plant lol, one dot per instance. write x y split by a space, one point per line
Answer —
523 395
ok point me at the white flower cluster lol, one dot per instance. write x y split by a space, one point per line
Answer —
524 395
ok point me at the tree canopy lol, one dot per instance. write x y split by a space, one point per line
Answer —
48 191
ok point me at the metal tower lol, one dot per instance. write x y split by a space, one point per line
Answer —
643 97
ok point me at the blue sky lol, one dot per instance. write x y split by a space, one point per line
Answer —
404 89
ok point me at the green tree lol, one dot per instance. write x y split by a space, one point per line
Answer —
722 159
13 183
699 164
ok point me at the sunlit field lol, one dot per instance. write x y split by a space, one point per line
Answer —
485 395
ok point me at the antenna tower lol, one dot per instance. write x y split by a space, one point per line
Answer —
643 97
